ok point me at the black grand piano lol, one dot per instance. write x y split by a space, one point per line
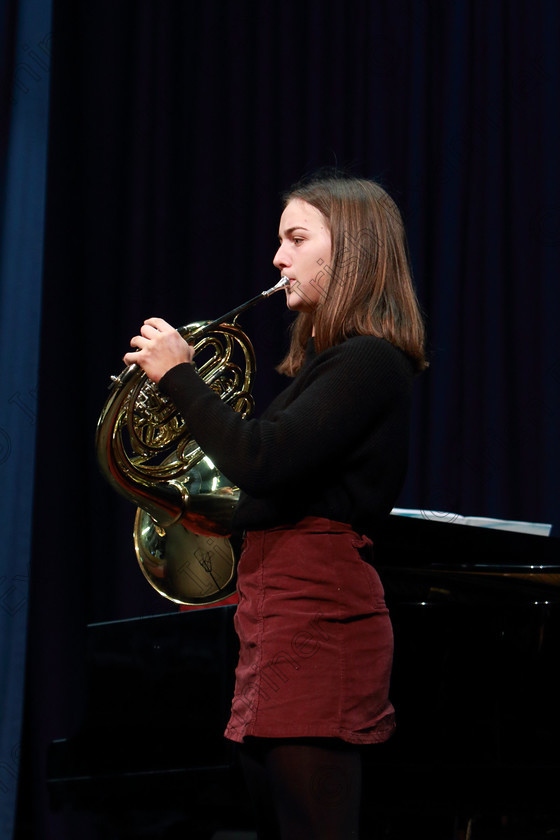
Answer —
476 613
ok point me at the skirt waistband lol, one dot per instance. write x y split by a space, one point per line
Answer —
308 525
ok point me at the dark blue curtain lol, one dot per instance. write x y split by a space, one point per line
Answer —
24 43
481 196
173 130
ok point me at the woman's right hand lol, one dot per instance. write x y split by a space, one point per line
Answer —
159 348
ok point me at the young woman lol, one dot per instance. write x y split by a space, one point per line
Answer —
318 471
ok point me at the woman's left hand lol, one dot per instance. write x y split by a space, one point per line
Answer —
159 348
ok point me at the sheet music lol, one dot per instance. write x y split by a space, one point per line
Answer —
541 529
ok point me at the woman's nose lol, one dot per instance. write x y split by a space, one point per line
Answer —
280 258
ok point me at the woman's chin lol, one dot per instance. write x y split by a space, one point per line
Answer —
295 303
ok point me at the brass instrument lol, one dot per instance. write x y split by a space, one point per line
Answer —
185 504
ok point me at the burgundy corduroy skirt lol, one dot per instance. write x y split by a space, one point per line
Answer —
316 642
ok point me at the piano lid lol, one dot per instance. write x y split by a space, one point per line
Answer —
450 558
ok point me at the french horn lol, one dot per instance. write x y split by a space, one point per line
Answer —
182 528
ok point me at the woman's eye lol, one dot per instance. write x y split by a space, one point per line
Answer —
297 240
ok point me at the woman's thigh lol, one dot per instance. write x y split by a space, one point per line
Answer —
304 788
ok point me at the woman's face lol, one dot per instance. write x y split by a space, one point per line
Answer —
304 254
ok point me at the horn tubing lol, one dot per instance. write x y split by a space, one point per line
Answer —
175 519
231 316
125 375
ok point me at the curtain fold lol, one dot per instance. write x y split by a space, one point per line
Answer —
25 29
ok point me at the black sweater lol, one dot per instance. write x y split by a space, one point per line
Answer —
334 443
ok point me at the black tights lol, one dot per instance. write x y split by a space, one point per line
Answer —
303 788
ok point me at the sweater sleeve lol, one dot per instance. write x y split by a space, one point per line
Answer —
345 392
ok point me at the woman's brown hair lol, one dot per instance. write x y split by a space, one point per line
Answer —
368 288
